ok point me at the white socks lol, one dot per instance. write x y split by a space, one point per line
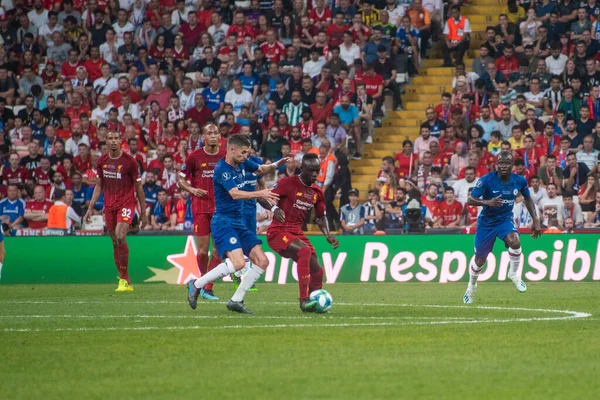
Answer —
243 270
0 270
515 259
474 271
250 277
221 270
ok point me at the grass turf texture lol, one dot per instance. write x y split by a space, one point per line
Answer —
150 344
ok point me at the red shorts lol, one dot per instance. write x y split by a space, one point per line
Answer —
279 241
123 214
202 224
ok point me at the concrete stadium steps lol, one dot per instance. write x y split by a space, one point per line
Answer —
421 92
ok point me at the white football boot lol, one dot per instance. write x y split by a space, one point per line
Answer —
469 297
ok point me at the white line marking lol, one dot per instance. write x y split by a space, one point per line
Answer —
570 315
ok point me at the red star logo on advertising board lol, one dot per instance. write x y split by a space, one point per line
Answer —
186 262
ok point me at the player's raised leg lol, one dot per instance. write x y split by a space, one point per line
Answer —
513 242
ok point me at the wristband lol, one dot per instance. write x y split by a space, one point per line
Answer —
274 208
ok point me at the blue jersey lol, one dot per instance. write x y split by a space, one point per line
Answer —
213 100
402 34
490 186
151 195
12 209
250 186
79 195
248 82
227 177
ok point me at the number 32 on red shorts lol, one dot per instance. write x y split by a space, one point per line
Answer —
120 215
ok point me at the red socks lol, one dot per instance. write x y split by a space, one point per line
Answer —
303 265
316 280
123 261
214 261
202 259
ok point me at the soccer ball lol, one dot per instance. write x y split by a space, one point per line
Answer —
323 299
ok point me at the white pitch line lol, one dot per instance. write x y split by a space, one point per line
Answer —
37 316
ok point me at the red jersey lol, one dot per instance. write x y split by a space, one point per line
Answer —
171 144
69 71
273 52
156 166
487 160
506 66
199 169
449 213
115 98
118 177
297 200
336 34
323 16
479 172
295 147
472 212
531 158
16 177
241 31
42 177
548 145
373 83
444 114
432 205
405 164
82 165
38 207
93 68
440 160
74 113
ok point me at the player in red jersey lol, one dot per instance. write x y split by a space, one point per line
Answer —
120 180
199 169
298 195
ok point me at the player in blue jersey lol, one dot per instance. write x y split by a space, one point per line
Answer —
253 183
496 192
231 235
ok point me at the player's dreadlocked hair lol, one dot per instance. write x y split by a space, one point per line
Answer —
239 141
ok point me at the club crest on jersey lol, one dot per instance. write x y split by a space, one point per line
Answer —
232 240
515 192
183 167
226 176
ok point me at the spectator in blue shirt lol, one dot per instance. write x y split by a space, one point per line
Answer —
214 96
249 80
369 52
348 114
151 191
161 215
79 189
12 209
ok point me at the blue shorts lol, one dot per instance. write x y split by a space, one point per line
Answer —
250 221
229 235
485 236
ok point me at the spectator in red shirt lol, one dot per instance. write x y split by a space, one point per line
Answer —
321 110
115 98
320 16
241 28
520 169
507 63
335 31
473 161
430 200
443 111
191 31
42 175
449 212
156 165
160 94
69 68
94 64
36 210
549 141
77 108
274 51
531 155
15 174
83 161
374 85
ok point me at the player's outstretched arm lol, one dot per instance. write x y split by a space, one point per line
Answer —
95 196
324 228
142 200
536 228
266 194
265 169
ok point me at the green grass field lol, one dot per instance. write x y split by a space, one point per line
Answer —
379 341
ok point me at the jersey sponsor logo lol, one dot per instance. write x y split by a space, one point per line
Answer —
303 205
208 173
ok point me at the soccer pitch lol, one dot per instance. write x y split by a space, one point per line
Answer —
379 341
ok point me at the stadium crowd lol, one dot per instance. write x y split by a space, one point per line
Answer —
296 76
